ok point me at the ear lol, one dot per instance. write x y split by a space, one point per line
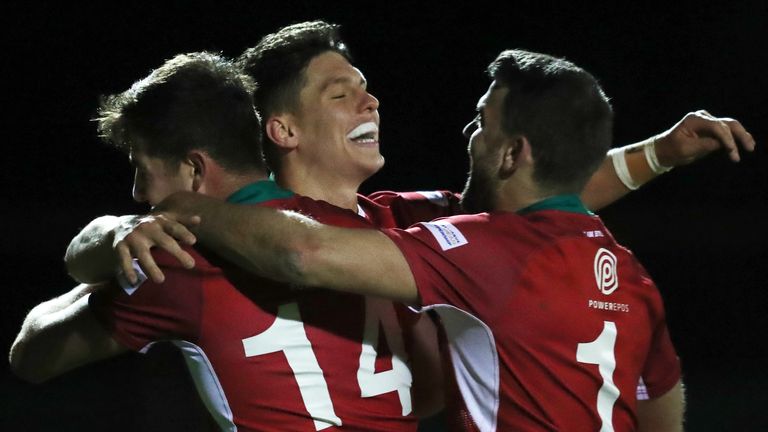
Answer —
514 152
197 164
281 131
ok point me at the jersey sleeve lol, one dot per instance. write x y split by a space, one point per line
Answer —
434 251
662 367
148 312
408 208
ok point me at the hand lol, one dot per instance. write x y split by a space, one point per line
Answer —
135 237
698 134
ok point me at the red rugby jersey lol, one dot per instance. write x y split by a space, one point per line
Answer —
267 358
551 324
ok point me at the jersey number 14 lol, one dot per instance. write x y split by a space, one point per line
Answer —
287 334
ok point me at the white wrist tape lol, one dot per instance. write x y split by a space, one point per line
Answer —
653 161
620 166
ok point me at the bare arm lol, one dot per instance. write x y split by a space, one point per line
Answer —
427 365
109 242
696 135
89 257
664 413
59 335
289 247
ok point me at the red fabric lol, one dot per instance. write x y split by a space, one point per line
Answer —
531 280
217 307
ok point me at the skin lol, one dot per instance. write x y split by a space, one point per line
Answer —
298 250
318 159
154 179
62 334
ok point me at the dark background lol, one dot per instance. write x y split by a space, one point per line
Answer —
700 230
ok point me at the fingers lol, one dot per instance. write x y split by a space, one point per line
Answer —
136 241
125 262
171 246
741 134
725 131
177 230
148 264
709 125
185 221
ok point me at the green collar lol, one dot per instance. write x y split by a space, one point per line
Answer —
569 203
259 191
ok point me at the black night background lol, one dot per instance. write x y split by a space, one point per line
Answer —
700 230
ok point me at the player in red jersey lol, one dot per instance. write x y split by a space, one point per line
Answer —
320 143
341 163
90 265
261 358
311 136
550 324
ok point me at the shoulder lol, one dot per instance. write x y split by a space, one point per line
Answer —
321 211
437 197
475 224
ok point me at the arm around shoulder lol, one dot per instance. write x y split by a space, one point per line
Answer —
289 247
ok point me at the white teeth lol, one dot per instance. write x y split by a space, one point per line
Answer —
365 128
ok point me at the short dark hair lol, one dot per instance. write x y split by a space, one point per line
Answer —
278 63
563 112
193 101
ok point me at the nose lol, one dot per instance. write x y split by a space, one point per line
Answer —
138 194
370 103
139 189
469 129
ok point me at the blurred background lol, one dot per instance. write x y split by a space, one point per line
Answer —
700 230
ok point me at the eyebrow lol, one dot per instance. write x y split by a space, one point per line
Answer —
342 80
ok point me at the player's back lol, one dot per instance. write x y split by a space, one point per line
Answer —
585 324
550 323
321 360
269 358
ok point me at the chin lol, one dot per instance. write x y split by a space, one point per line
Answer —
375 165
476 197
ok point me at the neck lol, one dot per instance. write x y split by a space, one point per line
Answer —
330 187
520 193
225 184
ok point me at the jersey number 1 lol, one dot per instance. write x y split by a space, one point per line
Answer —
600 352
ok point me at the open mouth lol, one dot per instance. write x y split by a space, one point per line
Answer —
366 133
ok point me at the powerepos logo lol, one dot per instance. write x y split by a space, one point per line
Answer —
605 271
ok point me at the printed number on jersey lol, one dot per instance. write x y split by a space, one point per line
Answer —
601 352
287 334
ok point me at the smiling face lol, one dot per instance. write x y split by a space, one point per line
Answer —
154 180
337 122
485 136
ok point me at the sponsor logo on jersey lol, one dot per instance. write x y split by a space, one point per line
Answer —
435 197
607 306
605 271
446 234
